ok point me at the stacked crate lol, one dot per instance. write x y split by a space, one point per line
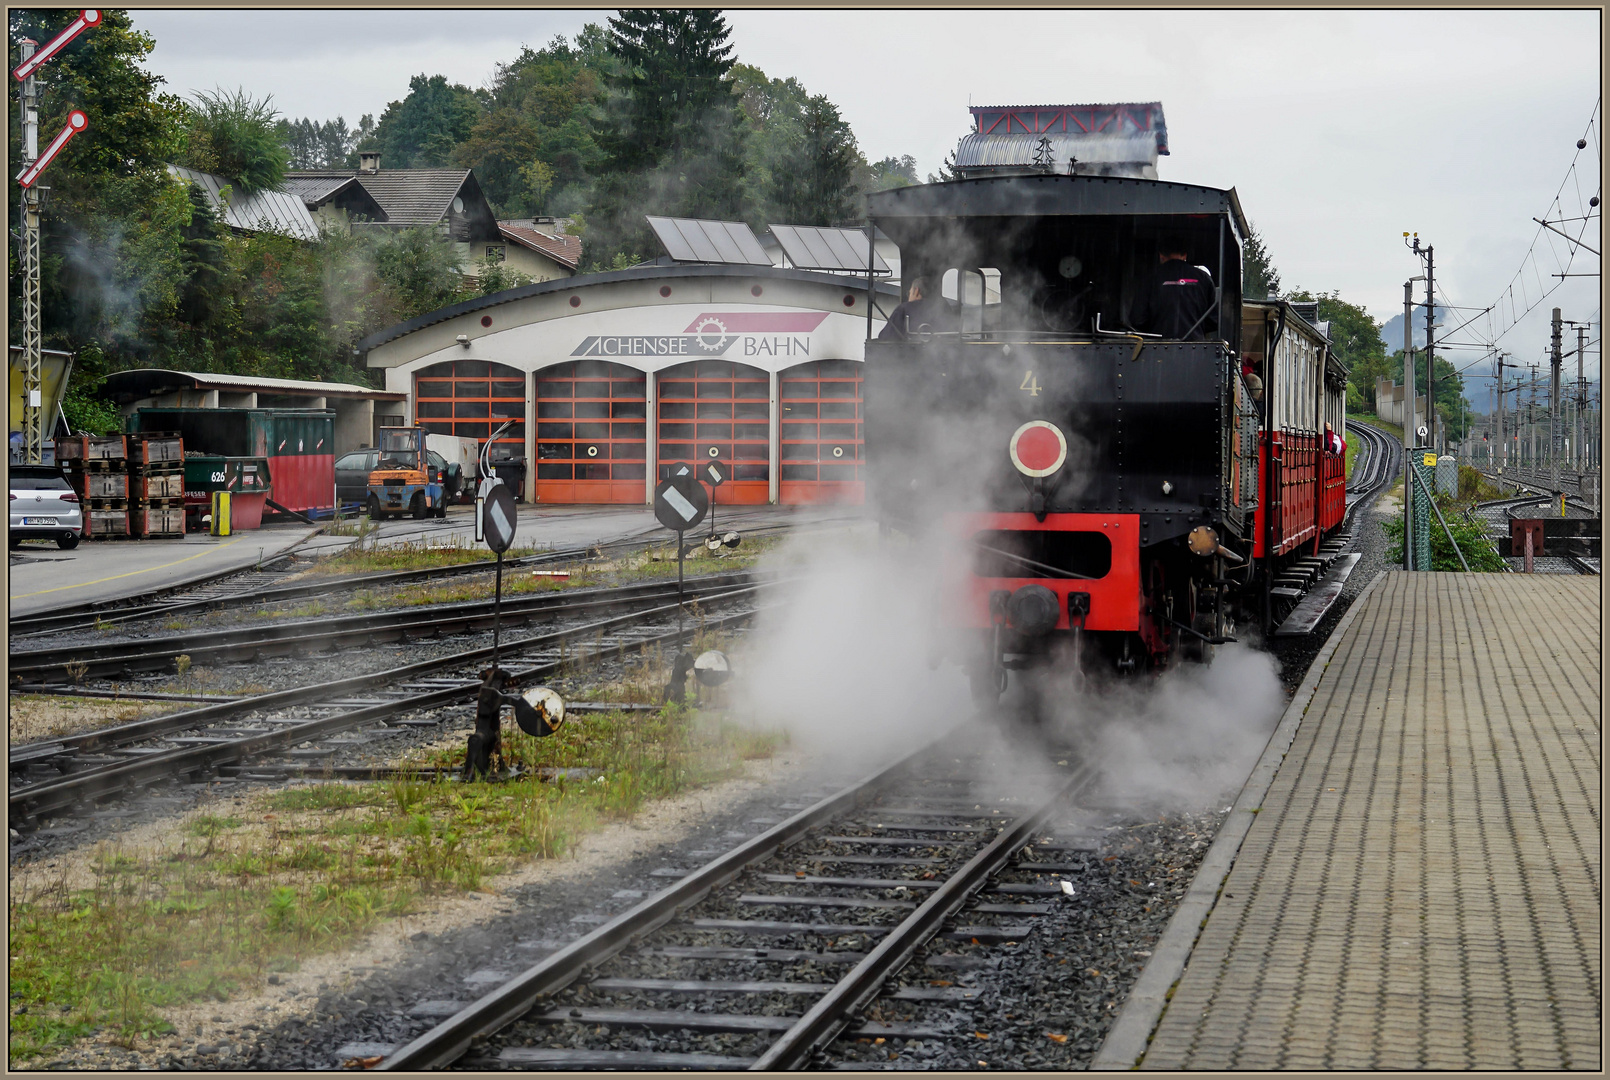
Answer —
96 467
156 485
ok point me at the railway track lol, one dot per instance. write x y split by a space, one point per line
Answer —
297 725
236 589
767 954
75 663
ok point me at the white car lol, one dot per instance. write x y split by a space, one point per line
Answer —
43 507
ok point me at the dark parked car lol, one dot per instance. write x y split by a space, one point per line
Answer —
352 474
43 507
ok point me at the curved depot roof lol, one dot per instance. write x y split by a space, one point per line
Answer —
137 383
635 273
1054 196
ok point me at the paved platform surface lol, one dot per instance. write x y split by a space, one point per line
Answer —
1421 887
42 576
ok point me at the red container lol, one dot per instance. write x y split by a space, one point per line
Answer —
246 509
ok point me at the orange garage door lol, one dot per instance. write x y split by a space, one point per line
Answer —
821 433
471 398
591 420
718 410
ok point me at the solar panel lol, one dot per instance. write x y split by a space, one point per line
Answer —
811 248
696 240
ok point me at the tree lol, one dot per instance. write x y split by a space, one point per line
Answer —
1453 411
672 131
1258 274
422 130
1356 340
893 172
312 145
947 171
533 142
236 137
814 183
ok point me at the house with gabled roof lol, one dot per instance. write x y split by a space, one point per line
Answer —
447 199
537 248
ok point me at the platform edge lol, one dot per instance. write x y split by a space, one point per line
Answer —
1126 1044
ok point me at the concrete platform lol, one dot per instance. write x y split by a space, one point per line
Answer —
1420 887
42 576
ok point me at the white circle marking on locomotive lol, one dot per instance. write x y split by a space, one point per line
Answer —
1025 468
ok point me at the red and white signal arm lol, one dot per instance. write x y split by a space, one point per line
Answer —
76 122
86 19
1038 448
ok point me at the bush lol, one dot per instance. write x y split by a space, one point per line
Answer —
1473 542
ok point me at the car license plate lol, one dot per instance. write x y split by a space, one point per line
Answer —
38 521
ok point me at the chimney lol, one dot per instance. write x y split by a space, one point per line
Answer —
368 161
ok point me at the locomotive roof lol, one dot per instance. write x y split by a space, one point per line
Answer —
1054 195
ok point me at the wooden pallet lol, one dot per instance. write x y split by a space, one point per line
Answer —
99 485
92 448
157 520
148 486
147 449
106 524
95 502
93 465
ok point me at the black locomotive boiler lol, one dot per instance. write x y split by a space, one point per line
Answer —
1116 500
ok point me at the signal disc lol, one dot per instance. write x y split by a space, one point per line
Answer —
1038 448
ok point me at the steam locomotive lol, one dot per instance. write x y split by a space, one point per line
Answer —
1114 501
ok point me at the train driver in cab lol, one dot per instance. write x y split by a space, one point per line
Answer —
1175 299
917 316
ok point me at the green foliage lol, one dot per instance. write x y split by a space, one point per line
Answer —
672 131
1258 273
1452 408
494 276
422 130
313 145
236 137
1471 536
1356 339
532 149
892 173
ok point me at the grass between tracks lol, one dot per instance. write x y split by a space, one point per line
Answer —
655 565
107 944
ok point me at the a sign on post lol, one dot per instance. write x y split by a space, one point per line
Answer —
680 504
85 20
76 122
715 474
499 515
499 528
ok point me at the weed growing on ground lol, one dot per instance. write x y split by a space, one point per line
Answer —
236 896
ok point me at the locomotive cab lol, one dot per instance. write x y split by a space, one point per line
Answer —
1094 481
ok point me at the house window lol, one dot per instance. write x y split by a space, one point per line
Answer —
494 252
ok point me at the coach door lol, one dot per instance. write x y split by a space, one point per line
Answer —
821 433
718 410
471 399
591 420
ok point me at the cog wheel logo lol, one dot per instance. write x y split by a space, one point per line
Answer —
720 333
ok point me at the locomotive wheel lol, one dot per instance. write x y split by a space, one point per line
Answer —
1194 648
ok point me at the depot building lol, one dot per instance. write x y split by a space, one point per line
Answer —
611 378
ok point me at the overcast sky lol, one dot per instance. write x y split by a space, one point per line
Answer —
1339 129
